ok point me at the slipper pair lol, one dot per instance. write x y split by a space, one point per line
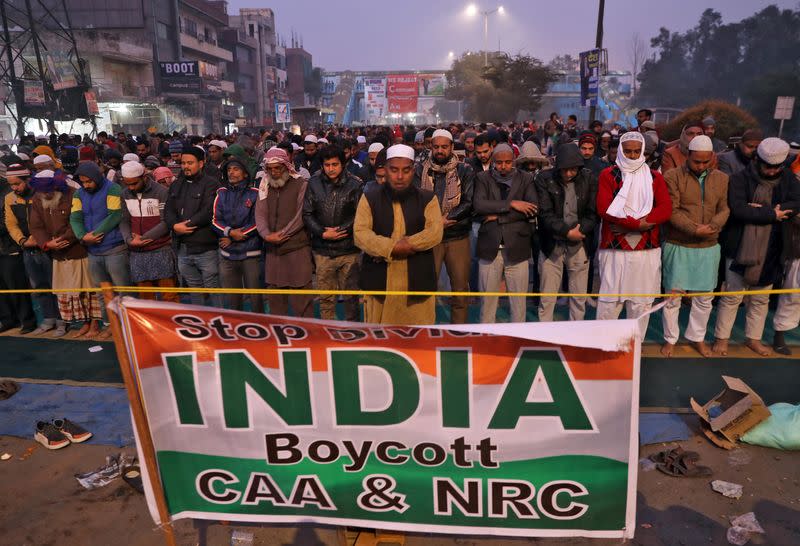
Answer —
680 463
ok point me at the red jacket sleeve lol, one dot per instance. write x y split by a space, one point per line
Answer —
662 209
605 195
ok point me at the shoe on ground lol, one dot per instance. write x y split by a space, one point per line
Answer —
72 431
43 328
49 436
27 329
60 331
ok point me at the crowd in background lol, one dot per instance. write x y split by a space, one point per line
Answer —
477 208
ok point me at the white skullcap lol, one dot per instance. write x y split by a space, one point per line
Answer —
41 159
375 147
311 138
130 157
701 143
24 157
295 146
132 169
221 144
47 173
773 151
361 139
400 150
420 136
443 133
322 141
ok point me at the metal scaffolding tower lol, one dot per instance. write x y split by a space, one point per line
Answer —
41 71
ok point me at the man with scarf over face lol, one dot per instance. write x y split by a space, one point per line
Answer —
632 201
506 199
279 220
675 156
49 224
452 182
761 198
397 225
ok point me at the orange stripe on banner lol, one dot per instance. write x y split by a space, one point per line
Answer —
155 333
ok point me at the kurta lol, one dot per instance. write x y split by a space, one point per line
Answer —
397 309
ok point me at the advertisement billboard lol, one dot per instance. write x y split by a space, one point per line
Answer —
431 85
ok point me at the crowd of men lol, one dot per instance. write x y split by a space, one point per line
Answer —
514 208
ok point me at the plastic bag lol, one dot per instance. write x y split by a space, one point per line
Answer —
780 431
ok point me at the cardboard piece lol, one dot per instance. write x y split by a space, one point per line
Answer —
731 413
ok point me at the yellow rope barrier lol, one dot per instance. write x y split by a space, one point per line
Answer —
312 292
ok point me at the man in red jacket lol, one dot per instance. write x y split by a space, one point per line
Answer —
633 201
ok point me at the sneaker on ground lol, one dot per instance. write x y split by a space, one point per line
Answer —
74 432
49 436
60 331
43 328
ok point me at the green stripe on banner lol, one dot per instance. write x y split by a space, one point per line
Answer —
605 479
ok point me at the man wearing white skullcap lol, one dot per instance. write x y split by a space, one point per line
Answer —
453 184
691 253
367 172
152 260
633 202
309 157
130 157
215 149
397 225
762 197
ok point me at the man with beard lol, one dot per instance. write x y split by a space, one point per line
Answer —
736 160
506 199
482 160
690 260
16 310
279 220
632 201
328 213
37 264
49 224
587 144
453 184
215 150
761 198
367 173
152 259
710 129
469 144
397 225
188 213
675 156
308 158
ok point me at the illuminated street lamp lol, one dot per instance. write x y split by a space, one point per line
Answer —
472 11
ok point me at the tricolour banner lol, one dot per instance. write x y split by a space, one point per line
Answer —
507 429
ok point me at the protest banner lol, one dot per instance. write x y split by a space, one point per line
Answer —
507 429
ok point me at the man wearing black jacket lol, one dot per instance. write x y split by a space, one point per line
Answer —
188 213
452 182
567 219
329 210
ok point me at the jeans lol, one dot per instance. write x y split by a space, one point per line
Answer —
113 268
200 271
39 268
455 254
242 274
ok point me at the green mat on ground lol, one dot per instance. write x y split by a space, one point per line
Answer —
664 383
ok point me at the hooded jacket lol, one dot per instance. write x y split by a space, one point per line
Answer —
235 208
99 212
550 190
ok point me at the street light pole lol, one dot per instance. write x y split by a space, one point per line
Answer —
485 38
598 45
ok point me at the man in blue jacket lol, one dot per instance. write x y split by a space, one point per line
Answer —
240 246
95 217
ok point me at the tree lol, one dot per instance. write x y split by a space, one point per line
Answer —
749 62
564 63
501 89
637 51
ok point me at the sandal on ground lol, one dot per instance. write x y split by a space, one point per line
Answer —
133 477
668 455
684 467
